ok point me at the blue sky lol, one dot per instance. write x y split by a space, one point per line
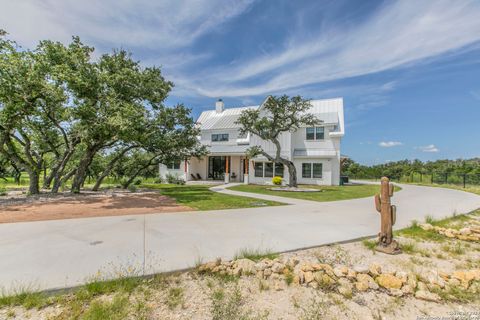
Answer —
409 71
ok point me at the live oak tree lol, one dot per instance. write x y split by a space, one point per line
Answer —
60 109
276 116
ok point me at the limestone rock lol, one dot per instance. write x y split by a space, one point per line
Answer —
308 276
426 226
345 291
407 289
427 296
278 267
389 281
360 268
361 286
395 292
375 270
402 275
340 271
245 266
351 274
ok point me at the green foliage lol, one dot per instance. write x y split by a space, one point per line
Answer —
277 180
117 309
229 305
416 171
255 254
74 116
3 191
175 297
26 299
132 188
369 244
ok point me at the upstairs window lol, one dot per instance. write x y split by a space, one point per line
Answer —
315 133
174 165
220 137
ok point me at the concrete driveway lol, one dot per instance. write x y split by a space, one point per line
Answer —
65 253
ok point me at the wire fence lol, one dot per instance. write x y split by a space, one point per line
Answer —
464 180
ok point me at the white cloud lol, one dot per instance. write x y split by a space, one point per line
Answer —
400 33
165 24
389 144
429 148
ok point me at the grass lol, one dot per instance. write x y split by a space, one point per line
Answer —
117 309
369 244
454 222
255 254
229 305
199 197
326 193
175 297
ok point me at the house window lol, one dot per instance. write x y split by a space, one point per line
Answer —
317 170
258 169
310 133
220 137
315 133
174 165
278 169
312 170
319 133
268 170
306 170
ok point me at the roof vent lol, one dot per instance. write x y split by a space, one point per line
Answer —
219 106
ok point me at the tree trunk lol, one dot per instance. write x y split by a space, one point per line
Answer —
130 180
110 166
292 173
82 168
34 184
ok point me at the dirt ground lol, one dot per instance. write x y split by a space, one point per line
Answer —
87 205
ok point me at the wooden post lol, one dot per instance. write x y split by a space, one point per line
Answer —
388 215
226 164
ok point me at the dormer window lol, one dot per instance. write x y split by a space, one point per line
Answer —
315 133
219 137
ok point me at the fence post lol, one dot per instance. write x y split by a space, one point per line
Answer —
464 180
421 177
446 178
432 178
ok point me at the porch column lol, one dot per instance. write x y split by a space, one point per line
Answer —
186 170
246 165
227 175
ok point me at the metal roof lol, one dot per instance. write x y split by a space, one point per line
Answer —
330 111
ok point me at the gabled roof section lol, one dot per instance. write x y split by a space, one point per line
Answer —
211 120
330 111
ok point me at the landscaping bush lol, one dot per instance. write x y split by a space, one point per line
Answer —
277 180
132 188
137 182
3 191
174 179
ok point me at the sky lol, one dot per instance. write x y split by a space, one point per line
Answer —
409 71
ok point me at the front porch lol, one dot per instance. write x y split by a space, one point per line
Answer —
218 167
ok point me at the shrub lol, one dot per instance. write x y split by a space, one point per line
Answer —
132 188
3 191
174 179
277 180
137 182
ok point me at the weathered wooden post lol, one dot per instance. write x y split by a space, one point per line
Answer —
388 215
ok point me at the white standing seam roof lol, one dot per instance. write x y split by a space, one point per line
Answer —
330 111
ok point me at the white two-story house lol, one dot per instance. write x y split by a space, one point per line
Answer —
314 150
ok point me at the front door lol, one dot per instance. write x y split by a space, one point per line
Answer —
216 167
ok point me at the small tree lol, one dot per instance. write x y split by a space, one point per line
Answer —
276 116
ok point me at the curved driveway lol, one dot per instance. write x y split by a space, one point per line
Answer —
65 253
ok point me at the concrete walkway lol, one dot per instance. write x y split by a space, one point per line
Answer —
64 253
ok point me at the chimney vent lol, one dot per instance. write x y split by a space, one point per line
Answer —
219 106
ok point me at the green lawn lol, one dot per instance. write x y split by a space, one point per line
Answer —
200 198
327 193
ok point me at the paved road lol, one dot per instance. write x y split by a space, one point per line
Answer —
64 253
